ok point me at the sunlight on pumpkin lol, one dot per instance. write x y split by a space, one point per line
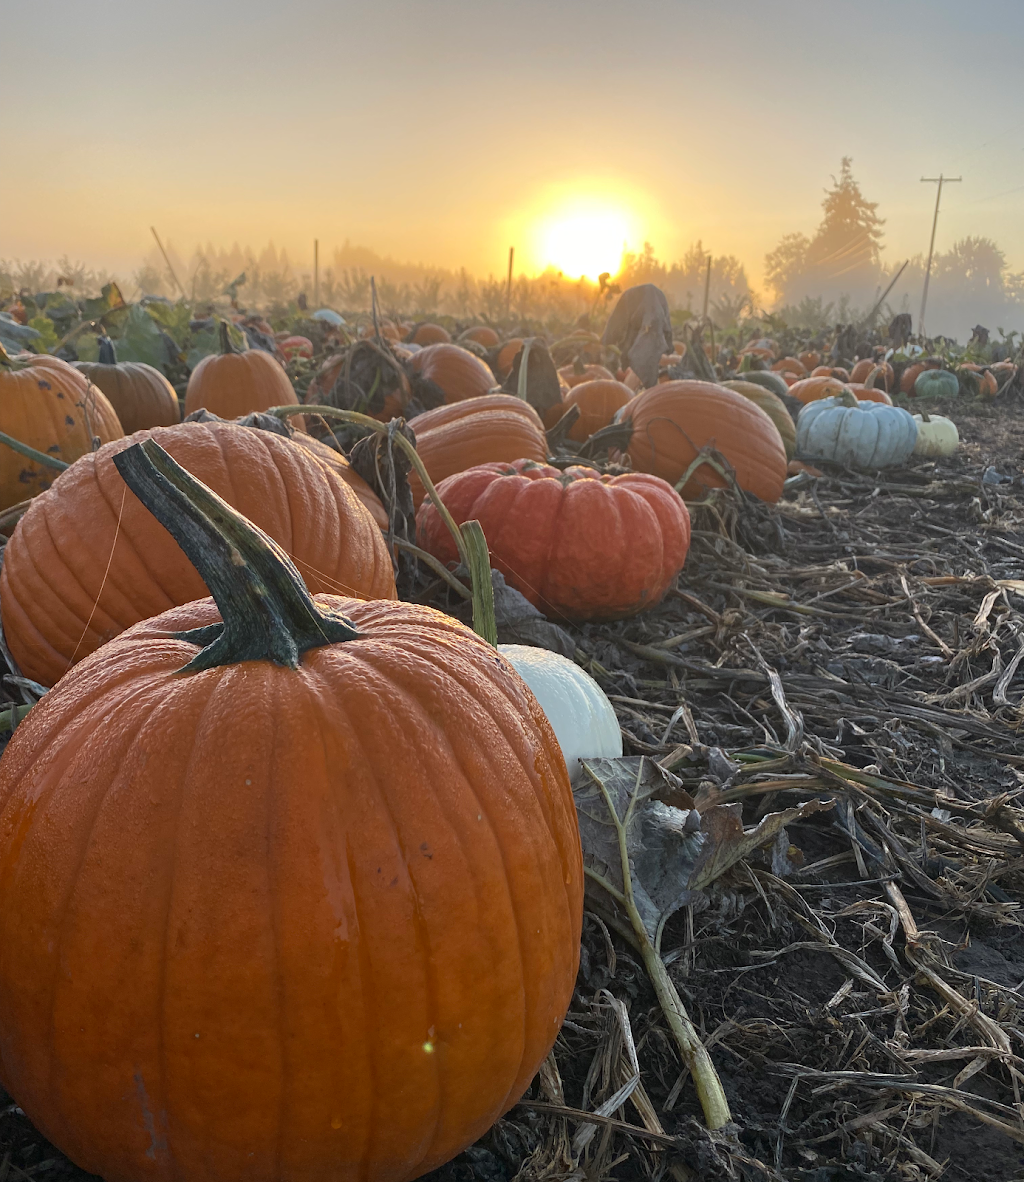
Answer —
585 241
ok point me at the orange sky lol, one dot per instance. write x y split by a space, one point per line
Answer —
444 132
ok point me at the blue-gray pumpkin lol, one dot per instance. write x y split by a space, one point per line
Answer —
865 435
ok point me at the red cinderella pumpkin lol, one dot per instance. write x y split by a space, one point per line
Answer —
577 544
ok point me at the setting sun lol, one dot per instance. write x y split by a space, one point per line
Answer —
585 241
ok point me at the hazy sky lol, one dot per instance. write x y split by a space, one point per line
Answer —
442 132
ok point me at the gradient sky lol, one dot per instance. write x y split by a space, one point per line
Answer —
442 132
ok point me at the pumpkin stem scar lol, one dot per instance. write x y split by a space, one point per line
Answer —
267 613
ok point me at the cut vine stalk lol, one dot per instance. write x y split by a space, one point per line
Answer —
40 457
694 1054
469 538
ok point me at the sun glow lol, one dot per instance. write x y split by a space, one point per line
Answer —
585 240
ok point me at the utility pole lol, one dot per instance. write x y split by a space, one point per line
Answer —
316 272
508 290
939 180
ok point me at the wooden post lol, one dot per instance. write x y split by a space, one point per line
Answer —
168 262
931 180
508 290
707 288
316 273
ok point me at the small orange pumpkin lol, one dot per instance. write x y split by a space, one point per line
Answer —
869 393
232 384
431 334
506 356
812 388
482 334
790 365
598 401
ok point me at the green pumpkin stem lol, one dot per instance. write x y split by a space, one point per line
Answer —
225 339
31 453
267 613
108 356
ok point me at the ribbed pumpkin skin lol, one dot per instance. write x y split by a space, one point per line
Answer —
259 924
577 545
59 600
482 335
674 420
431 334
235 384
497 427
339 464
459 373
140 394
598 401
773 407
49 405
591 373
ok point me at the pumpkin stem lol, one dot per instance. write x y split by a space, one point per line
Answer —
40 457
107 354
225 339
267 613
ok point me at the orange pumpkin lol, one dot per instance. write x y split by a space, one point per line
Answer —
232 384
254 896
868 393
497 427
296 346
431 334
87 561
865 367
339 464
790 365
598 401
910 375
140 394
506 356
588 373
813 388
457 372
831 371
482 334
575 543
48 405
810 360
673 421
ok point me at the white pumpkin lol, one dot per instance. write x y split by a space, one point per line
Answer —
936 436
579 712
865 435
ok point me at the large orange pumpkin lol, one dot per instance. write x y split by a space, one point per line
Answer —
598 401
673 421
497 427
577 544
48 405
773 407
140 394
87 561
232 384
308 907
458 373
811 389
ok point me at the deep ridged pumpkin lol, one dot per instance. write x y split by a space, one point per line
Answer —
458 373
338 463
811 389
50 406
497 427
307 908
66 588
577 544
140 394
673 421
773 407
430 334
598 401
232 384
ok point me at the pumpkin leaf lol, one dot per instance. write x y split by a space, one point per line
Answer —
206 341
173 319
47 339
675 851
109 300
141 340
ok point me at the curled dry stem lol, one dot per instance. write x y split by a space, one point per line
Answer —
469 538
694 1054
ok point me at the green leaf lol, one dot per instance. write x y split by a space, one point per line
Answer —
86 347
48 338
173 319
207 341
142 340
108 300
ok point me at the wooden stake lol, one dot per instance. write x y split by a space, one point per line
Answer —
508 290
707 288
168 262
316 273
